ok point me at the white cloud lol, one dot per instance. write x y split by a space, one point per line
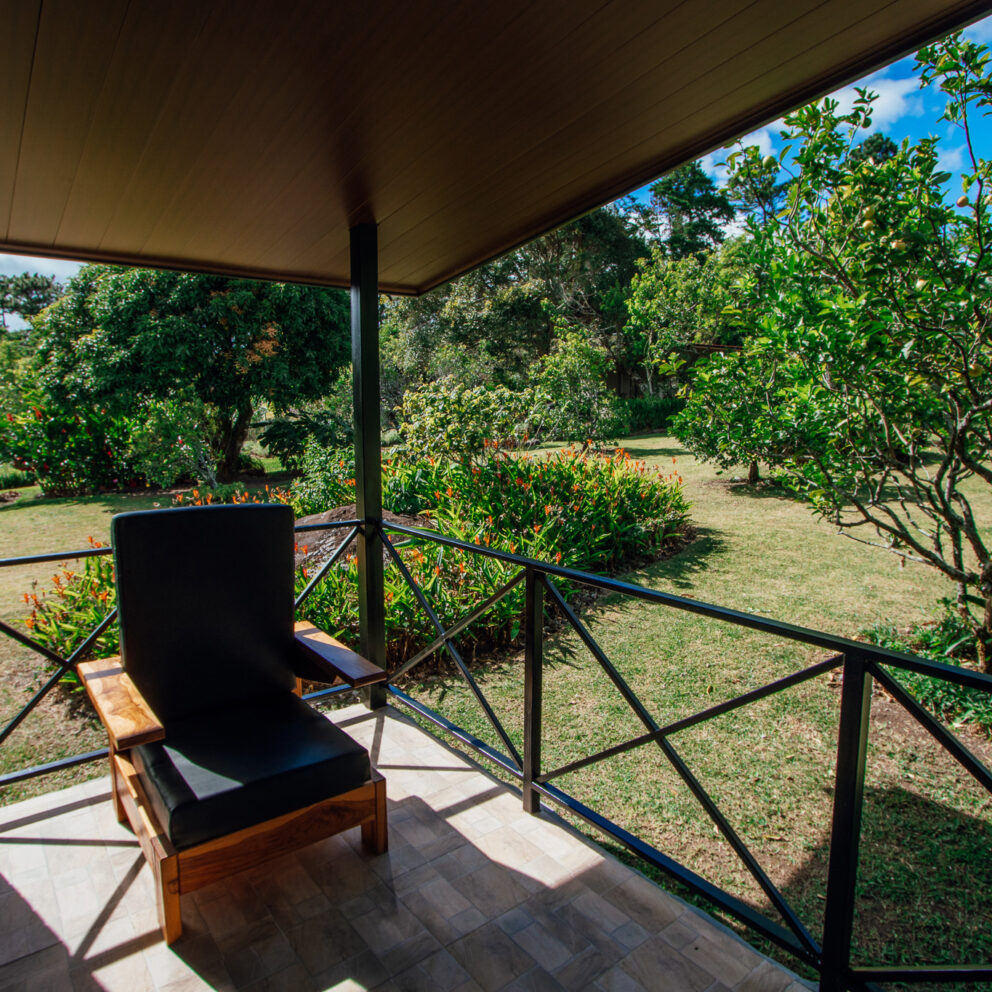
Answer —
951 159
61 269
896 98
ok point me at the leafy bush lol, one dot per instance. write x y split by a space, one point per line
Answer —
948 639
576 509
328 480
166 444
69 453
449 419
63 615
287 437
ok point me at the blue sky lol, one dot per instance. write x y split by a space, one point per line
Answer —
901 111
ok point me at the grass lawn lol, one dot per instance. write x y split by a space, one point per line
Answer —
926 875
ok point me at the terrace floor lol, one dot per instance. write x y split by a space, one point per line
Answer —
473 894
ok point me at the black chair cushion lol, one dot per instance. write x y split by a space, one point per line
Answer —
216 774
205 596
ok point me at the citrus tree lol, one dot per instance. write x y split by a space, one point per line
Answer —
868 384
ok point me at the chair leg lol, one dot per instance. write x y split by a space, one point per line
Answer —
167 898
375 835
115 787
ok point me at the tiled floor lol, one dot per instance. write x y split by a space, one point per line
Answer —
473 894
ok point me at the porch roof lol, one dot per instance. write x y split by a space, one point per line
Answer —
247 138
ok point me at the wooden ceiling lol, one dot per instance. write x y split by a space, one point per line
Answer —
246 137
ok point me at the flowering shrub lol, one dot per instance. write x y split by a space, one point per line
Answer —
328 480
230 493
574 507
62 616
68 452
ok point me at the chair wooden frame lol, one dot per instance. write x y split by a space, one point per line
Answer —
129 721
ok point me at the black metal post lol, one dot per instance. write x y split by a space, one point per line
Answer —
845 834
368 456
533 677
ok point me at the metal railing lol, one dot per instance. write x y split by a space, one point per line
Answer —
861 665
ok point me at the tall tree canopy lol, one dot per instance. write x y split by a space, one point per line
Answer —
120 337
691 212
26 295
492 324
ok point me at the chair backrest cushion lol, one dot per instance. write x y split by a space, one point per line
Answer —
205 600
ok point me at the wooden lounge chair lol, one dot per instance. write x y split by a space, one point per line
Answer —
216 761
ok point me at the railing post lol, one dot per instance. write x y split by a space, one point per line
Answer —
533 676
368 455
845 833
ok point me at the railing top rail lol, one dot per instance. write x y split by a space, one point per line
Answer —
767 625
108 550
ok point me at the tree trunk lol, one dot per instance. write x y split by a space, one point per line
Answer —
752 474
231 438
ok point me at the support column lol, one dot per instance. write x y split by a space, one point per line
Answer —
533 686
368 456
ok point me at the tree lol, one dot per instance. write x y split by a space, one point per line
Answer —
26 295
571 399
122 337
691 212
752 183
678 304
877 147
869 384
492 324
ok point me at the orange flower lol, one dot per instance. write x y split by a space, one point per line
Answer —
557 557
437 569
306 572
449 492
537 528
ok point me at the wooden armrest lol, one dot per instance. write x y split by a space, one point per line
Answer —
122 710
321 658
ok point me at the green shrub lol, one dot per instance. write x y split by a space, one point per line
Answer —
328 480
947 639
63 615
287 437
166 446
